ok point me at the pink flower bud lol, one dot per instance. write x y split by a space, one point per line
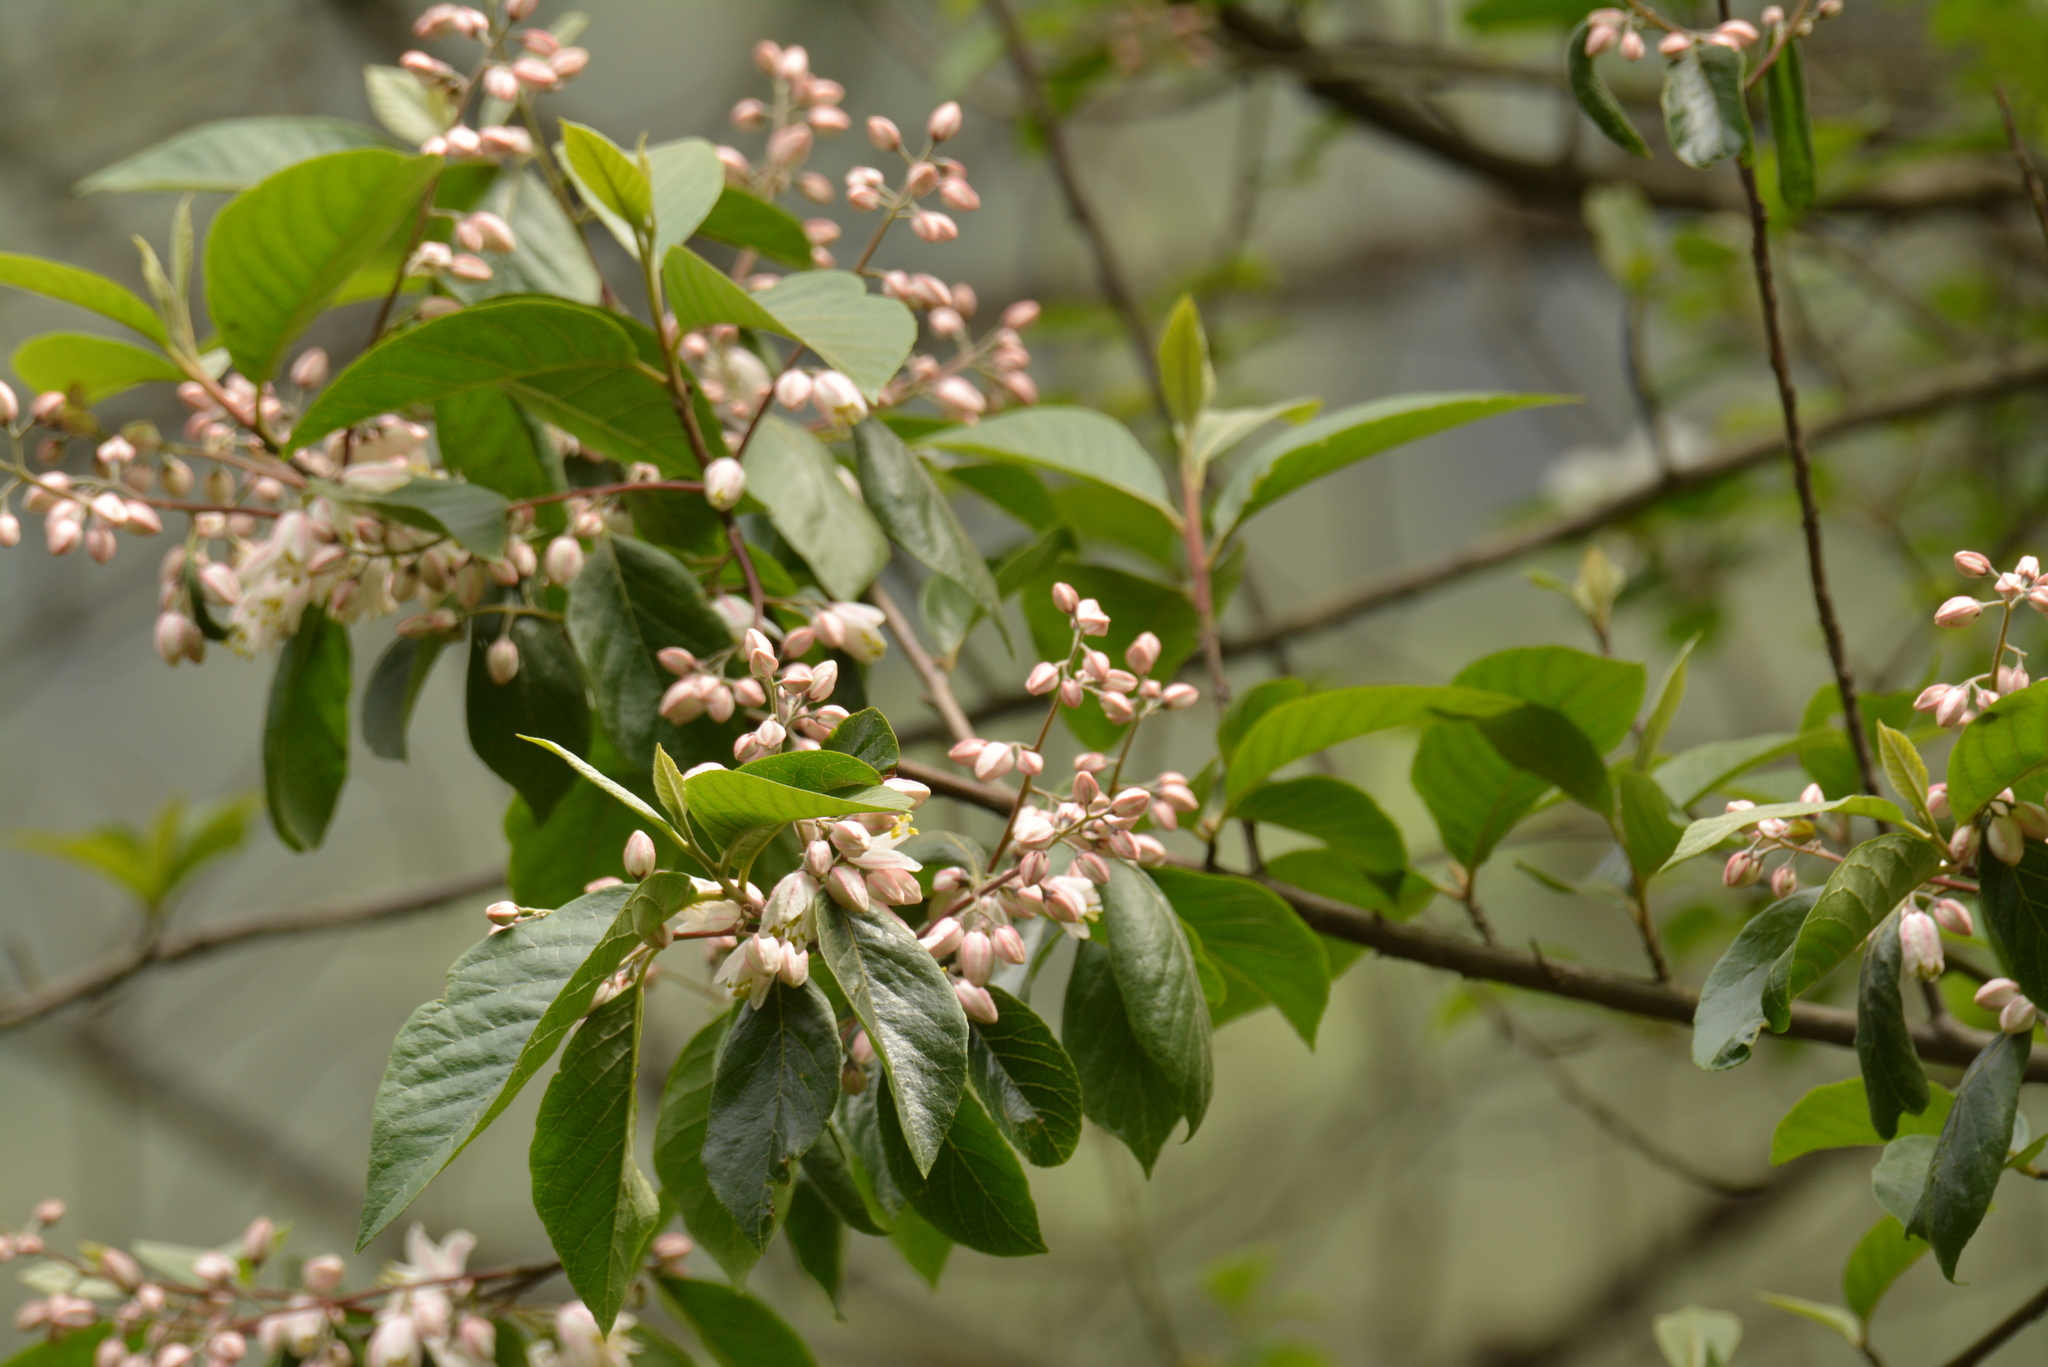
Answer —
790 144
749 114
846 887
1784 881
767 56
10 407
141 519
1117 707
1072 693
1920 946
1930 698
1772 16
1953 917
995 760
502 913
1043 679
1599 38
1973 564
1741 30
504 140
933 226
1958 611
2017 1016
894 887
213 1269
958 396
828 119
1178 696
976 956
725 483
569 61
49 406
1744 867
975 1001
1675 44
1953 710
944 122
1962 845
1997 993
2003 837
1030 762
958 194
501 660
1008 944
258 1239
1632 46
639 856
942 937
1143 653
1090 618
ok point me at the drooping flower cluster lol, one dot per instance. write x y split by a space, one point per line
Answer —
1956 705
1621 30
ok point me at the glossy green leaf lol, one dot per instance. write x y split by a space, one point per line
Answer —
1026 1082
1834 1317
1543 741
1899 1177
1791 125
1218 430
1122 1090
631 602
1184 371
1691 774
1294 730
679 1153
746 221
1155 974
231 154
1334 874
1265 952
2014 904
1880 1256
864 336
278 253
611 180
1705 115
1648 834
612 787
728 804
1905 771
545 698
701 295
459 1061
2006 745
468 514
96 367
841 1180
687 180
1893 1080
1015 489
1097 512
1595 98
1708 832
861 1129
975 1192
736 1329
305 731
76 1349
1305 454
1670 694
568 364
1732 1010
394 690
905 1002
484 437
87 289
1248 707
792 475
1337 813
1969 1156
592 1199
906 501
1072 441
1836 1115
655 1347
776 1083
866 735
817 1236
1874 878
922 1246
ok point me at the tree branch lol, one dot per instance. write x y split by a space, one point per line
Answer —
117 969
2019 1319
938 688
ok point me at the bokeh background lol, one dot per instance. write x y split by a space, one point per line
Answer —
1420 1189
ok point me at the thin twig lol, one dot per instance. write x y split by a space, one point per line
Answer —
1108 272
2019 1319
938 688
100 978
2032 178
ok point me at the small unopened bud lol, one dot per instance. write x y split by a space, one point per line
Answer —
10 406
1962 846
1973 564
639 856
502 913
2017 1016
213 1269
1143 653
1958 611
502 660
2004 839
1744 867
258 1239
1784 881
1954 708
564 560
1632 46
725 483
1920 946
944 122
995 760
932 226
977 956
1599 38
846 887
1952 916
1090 618
975 1001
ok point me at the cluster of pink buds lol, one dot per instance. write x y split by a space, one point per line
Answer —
1613 28
2010 824
837 399
801 108
1745 868
868 189
481 231
547 64
1920 932
999 357
1087 671
2016 1015
1956 705
785 695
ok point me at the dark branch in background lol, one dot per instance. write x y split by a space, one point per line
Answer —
938 691
92 982
2003 1330
2028 175
1948 1043
1108 273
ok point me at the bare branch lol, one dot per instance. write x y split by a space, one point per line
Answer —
937 686
117 969
2019 1319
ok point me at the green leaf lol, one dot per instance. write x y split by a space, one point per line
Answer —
87 289
1122 1090
1691 774
1648 833
75 1349
792 475
1595 98
1155 974
861 1129
687 179
96 367
1899 1177
1670 694
1073 441
592 1199
1184 371
736 1329
1026 1081
726 804
1836 1115
841 1180
231 154
1307 453
975 1192
409 108
922 1246
1868 883
545 698
866 337
618 791
1884 1251
1731 1012
1247 707
305 731
1096 512
1015 489
751 223
551 258
1335 812
1969 1156
484 437
817 1236
631 602
866 736
1265 952
1696 1337
1906 771
394 690
459 1061
1843 1322
1710 831
278 253
1893 1079
905 1002
776 1083
655 1346
679 1152
1332 873
568 364
1705 115
1300 728
1791 125
1476 789
469 514
906 501
609 180
1218 430
2014 904
2006 745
